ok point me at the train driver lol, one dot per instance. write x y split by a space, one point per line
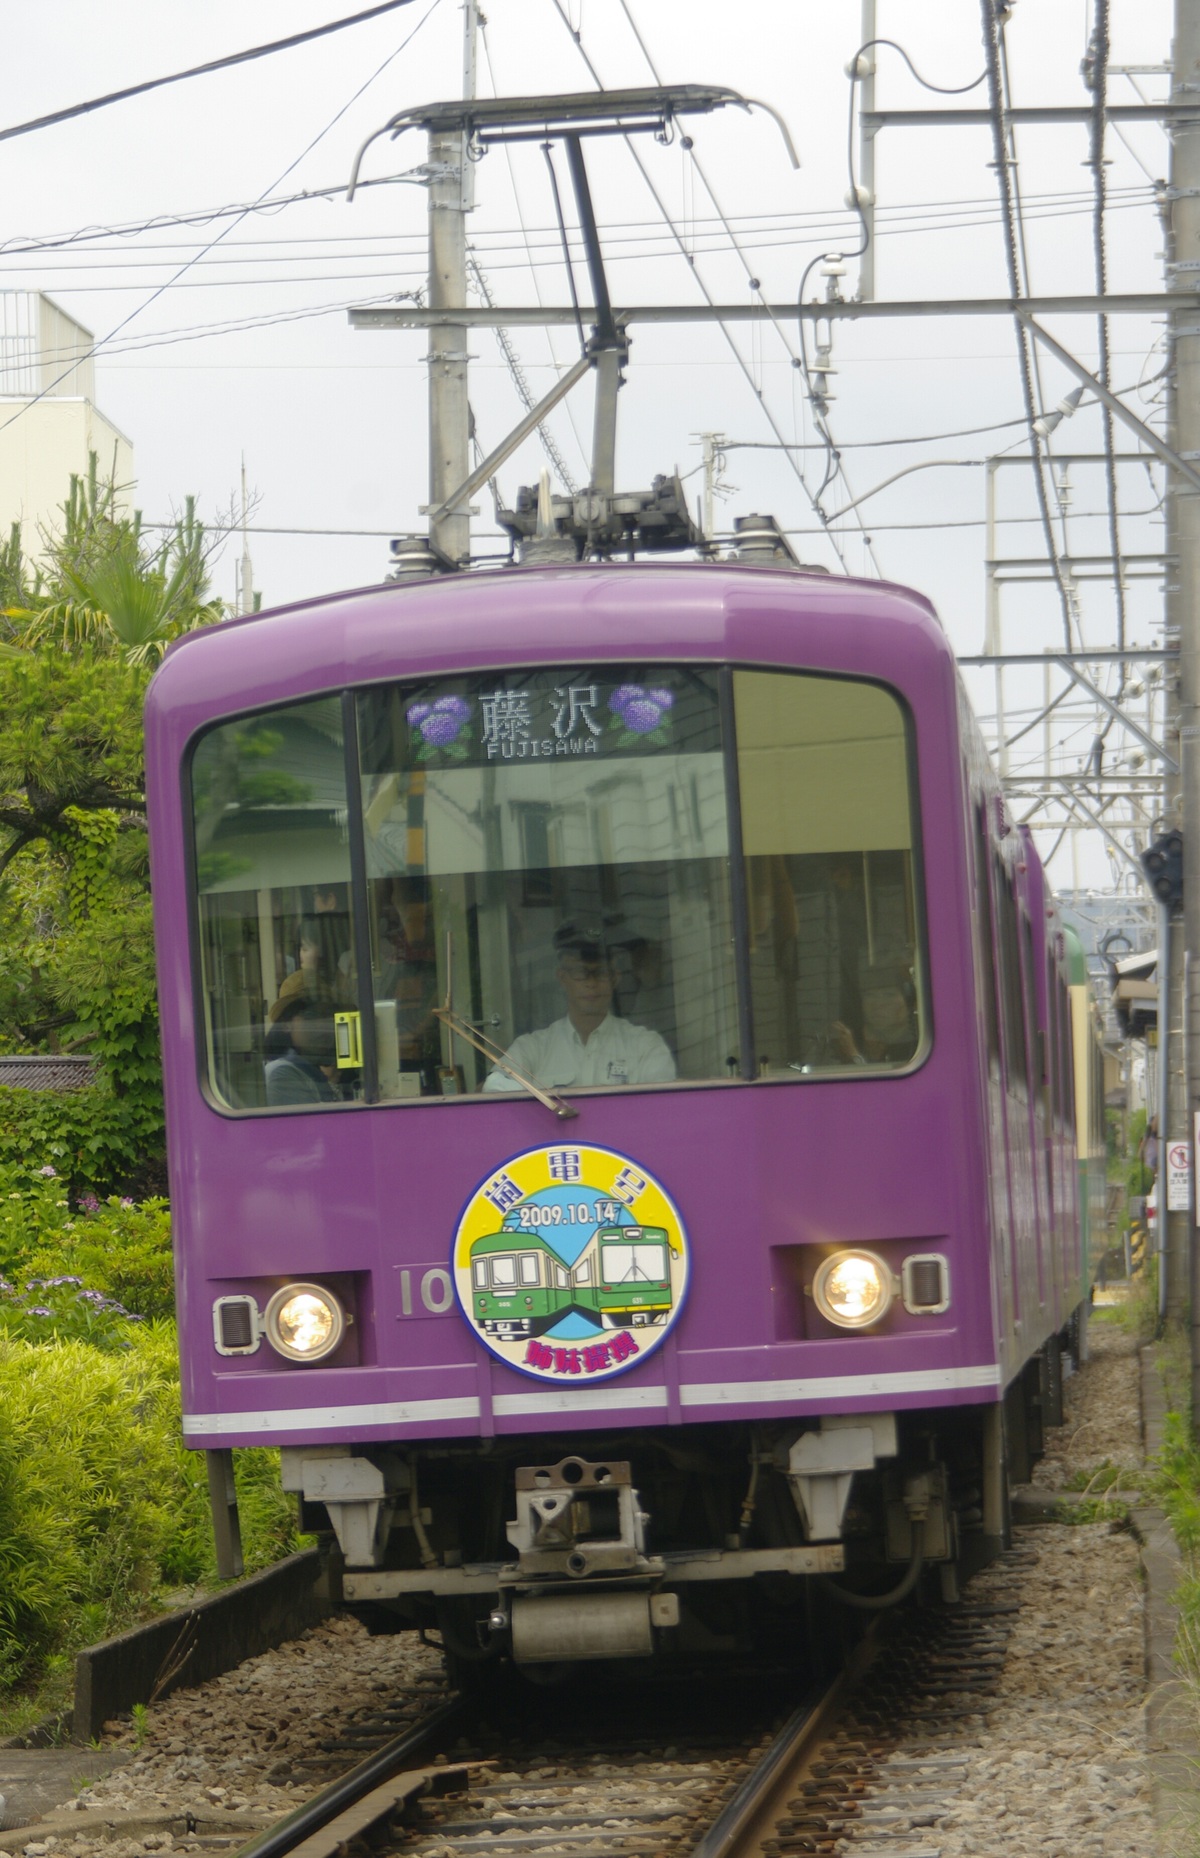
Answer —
590 1044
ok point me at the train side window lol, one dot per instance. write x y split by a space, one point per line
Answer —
529 1268
479 1273
273 881
835 940
988 980
1029 997
504 1271
1016 1055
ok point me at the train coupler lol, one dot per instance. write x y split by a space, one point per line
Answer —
575 1518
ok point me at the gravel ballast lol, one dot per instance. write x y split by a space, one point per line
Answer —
1058 1768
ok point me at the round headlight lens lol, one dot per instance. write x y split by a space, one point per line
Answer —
304 1322
853 1289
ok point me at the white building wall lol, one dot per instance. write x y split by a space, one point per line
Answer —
38 453
49 423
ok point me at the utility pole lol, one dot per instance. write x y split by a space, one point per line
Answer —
451 197
1183 619
714 462
866 154
245 599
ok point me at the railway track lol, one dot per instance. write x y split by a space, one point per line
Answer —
868 1765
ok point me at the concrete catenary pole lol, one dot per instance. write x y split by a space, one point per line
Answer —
451 197
1183 613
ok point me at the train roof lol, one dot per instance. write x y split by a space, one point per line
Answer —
595 611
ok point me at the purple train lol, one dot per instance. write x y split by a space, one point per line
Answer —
621 1068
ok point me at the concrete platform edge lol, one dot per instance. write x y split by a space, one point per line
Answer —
198 1642
1172 1717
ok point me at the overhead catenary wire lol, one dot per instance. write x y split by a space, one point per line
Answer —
1096 67
992 36
205 70
103 341
768 230
577 39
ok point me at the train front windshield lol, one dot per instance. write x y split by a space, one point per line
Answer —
710 871
628 1264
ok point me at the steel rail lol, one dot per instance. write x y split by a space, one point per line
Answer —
341 1794
753 1799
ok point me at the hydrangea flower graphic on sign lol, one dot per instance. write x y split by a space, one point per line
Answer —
640 714
440 725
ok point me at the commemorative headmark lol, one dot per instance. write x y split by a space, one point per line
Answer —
571 1263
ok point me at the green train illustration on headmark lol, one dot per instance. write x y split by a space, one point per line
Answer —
521 1287
622 1277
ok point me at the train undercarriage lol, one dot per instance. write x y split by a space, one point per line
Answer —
679 1545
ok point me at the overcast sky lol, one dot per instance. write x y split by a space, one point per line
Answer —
231 335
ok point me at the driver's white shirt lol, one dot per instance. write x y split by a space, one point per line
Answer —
617 1052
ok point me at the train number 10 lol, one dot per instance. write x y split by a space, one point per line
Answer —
425 1291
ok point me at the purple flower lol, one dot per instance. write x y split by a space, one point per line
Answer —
39 1311
91 1296
624 694
641 716
126 1202
417 712
440 730
48 1173
52 1283
665 699
36 1283
453 706
89 1204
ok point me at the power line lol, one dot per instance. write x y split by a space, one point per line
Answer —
993 38
216 529
576 36
1096 65
104 341
797 358
215 64
824 222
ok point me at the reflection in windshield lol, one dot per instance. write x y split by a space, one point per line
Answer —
562 836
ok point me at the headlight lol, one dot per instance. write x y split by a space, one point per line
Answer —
304 1322
853 1289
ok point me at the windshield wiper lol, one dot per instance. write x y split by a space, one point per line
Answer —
465 1030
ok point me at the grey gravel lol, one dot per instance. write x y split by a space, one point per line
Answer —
1057 1768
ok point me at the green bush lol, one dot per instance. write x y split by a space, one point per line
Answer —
102 1508
96 1139
103 1511
115 1246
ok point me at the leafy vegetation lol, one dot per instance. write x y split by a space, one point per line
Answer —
86 624
110 1511
103 1512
